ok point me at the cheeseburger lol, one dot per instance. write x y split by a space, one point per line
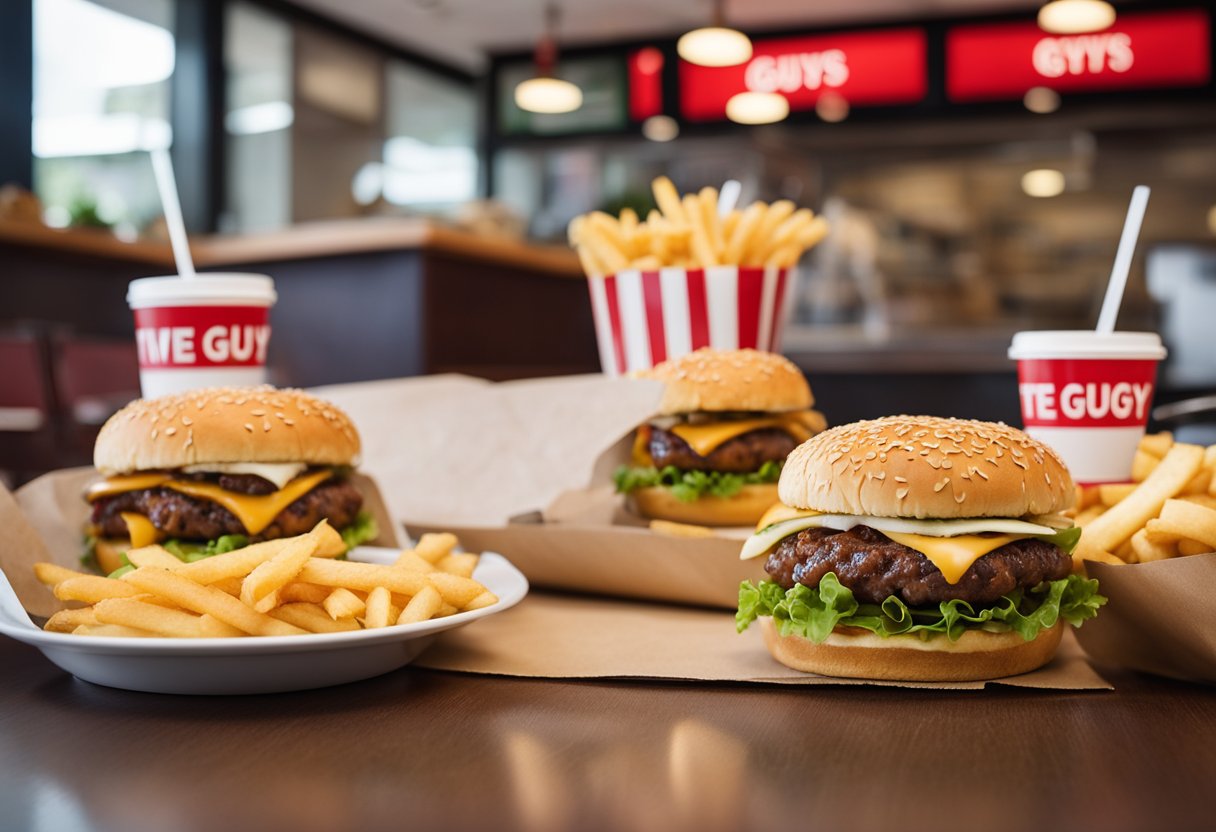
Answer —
208 471
920 549
726 423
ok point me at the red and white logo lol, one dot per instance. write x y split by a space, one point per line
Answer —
1086 393
202 336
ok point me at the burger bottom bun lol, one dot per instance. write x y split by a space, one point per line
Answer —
975 656
743 509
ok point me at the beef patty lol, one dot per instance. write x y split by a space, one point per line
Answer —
745 453
193 518
874 567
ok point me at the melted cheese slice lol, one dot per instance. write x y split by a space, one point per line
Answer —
954 555
254 511
120 484
705 438
279 473
140 529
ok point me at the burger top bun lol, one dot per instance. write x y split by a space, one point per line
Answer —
225 424
926 467
724 380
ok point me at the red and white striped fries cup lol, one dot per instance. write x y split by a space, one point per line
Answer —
645 317
1088 396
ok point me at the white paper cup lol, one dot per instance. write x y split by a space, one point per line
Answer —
1088 396
645 317
210 331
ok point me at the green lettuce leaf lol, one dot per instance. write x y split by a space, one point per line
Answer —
191 551
363 530
689 486
814 613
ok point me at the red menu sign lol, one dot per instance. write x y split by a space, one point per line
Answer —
991 62
880 67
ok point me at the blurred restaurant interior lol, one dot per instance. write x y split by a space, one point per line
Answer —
370 156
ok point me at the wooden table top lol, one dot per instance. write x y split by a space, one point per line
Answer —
421 750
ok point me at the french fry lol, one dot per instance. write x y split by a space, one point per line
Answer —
1110 495
154 619
153 556
52 573
377 612
1199 483
1188 521
646 263
111 631
591 265
1133 512
459 564
93 588
813 234
231 585
1148 550
409 559
260 587
206 599
786 234
1143 465
211 627
1157 444
702 248
776 214
674 529
1088 495
297 591
708 199
484 599
421 607
235 564
1205 500
600 223
668 199
435 546
1084 518
311 618
65 621
783 257
342 603
364 576
729 222
456 590
742 235
1188 547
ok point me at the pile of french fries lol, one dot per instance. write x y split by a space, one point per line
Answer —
1168 511
290 586
688 232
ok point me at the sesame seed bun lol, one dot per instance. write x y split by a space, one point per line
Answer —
742 509
237 424
926 467
977 655
711 380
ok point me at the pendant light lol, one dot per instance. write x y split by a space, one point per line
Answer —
716 44
543 93
1074 17
757 107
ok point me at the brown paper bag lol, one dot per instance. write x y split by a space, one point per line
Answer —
560 637
1160 618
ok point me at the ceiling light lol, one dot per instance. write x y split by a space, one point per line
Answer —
832 107
1043 182
757 107
660 128
548 95
1074 17
1041 100
716 44
544 93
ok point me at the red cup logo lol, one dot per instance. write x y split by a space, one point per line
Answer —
1060 392
172 337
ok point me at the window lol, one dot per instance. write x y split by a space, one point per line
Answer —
102 73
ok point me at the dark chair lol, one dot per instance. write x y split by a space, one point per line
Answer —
94 377
28 443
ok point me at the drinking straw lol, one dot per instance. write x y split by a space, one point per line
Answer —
728 195
162 166
1123 260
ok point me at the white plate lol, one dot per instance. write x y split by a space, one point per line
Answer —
266 664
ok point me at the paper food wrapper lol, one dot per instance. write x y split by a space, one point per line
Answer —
1160 618
554 637
483 460
46 518
645 317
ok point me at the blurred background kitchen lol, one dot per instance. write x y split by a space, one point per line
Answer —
373 157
